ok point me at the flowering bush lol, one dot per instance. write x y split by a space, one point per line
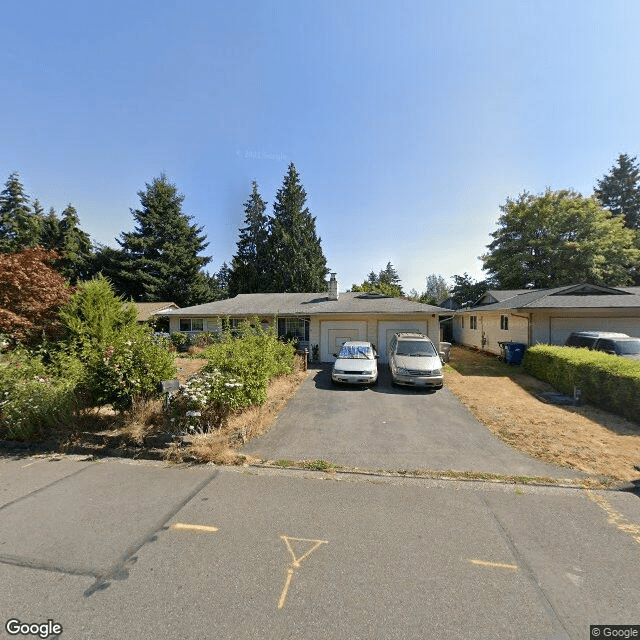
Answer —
33 396
206 401
132 365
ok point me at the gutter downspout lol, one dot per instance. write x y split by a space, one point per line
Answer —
528 319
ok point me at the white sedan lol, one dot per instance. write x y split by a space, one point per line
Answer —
357 363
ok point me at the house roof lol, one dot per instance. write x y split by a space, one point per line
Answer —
306 304
148 309
580 296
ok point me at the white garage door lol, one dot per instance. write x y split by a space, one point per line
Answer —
387 328
333 334
562 327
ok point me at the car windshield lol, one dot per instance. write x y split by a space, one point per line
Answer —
629 347
415 348
359 351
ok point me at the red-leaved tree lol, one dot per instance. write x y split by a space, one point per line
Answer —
31 294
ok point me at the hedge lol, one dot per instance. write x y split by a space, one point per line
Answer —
608 381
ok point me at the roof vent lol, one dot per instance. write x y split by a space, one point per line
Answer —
333 288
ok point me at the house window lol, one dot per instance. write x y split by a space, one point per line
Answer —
473 322
191 324
293 328
462 322
504 323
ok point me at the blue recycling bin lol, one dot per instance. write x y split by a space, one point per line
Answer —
514 352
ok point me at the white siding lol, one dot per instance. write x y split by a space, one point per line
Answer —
488 333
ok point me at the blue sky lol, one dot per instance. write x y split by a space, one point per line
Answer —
410 122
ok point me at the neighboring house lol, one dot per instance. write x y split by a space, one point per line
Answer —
326 319
157 310
535 316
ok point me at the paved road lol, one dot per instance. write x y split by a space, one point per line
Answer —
121 549
385 427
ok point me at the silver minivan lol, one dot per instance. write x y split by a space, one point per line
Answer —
414 361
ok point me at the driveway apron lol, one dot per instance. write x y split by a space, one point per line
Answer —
389 428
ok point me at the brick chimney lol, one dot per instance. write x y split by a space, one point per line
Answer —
333 288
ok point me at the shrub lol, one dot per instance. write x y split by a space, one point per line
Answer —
94 315
253 357
206 401
180 339
236 376
609 381
131 366
205 338
35 397
122 358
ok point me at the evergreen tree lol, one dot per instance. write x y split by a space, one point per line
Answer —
75 248
386 283
50 231
390 276
19 225
73 245
159 260
223 280
466 290
248 266
619 190
294 253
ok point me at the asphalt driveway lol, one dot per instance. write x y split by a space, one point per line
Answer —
389 428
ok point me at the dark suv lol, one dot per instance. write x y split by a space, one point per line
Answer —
625 347
588 339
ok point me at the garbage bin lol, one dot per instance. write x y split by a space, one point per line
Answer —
445 350
514 352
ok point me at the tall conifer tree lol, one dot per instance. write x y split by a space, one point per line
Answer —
160 259
248 266
295 259
619 190
20 226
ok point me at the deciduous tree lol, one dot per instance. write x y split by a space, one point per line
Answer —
31 295
559 238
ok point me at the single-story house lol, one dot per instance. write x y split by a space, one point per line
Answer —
325 319
546 316
156 310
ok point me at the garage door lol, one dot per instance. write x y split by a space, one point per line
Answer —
333 334
387 328
562 327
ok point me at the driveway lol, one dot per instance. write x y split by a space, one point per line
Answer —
389 428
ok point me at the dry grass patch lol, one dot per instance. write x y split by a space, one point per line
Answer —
145 417
503 398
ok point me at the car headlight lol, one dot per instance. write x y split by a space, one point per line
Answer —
402 372
436 372
338 371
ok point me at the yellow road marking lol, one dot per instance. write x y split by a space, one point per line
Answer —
295 562
285 591
615 517
181 526
494 565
